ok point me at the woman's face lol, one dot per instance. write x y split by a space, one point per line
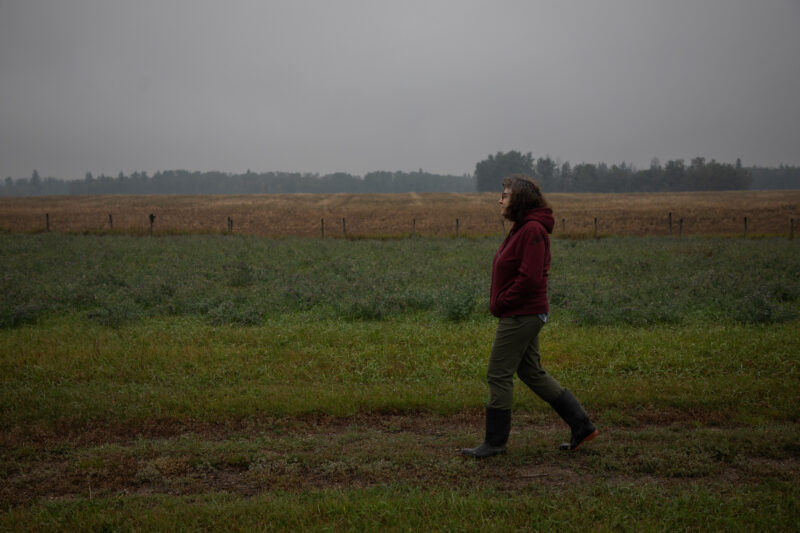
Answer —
505 198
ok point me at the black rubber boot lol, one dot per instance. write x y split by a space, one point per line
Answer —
498 426
569 408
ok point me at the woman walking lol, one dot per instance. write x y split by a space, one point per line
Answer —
519 300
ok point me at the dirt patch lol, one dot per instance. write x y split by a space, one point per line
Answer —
95 432
252 456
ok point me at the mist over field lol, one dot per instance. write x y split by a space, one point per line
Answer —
246 250
357 87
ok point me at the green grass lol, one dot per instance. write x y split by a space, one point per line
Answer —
112 280
185 368
600 508
233 383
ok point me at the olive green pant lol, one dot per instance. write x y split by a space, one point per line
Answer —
516 349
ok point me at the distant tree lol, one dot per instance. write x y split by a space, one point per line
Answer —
619 178
36 182
674 174
585 178
783 177
490 172
655 165
564 183
379 181
698 163
721 177
545 173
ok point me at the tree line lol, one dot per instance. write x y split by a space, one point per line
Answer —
553 176
185 182
674 175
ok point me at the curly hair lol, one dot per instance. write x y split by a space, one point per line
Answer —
525 195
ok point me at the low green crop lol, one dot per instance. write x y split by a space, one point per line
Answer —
112 280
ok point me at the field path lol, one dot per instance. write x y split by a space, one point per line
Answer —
251 456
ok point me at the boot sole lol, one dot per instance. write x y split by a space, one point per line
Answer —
587 439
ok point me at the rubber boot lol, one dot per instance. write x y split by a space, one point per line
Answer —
569 408
498 426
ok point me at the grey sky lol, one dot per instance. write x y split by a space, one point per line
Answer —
354 86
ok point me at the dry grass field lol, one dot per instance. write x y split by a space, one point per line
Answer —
390 215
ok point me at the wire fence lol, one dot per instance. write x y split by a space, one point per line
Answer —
337 228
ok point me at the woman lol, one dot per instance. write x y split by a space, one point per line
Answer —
519 300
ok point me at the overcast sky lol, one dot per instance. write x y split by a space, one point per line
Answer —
105 86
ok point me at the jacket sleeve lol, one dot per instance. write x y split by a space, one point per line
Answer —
530 273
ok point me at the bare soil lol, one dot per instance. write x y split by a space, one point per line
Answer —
252 456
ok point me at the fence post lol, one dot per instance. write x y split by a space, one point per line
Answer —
110 222
791 229
230 225
152 220
456 228
344 227
680 228
745 227
670 224
47 222
322 227
564 224
413 227
595 227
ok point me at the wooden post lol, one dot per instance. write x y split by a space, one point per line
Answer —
791 229
680 228
344 227
110 222
152 220
47 221
595 227
745 227
564 224
413 227
456 228
230 225
670 224
322 227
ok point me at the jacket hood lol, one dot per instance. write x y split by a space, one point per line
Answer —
542 215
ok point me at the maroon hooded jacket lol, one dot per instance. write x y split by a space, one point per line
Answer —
520 267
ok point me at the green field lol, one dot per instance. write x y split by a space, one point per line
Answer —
237 383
